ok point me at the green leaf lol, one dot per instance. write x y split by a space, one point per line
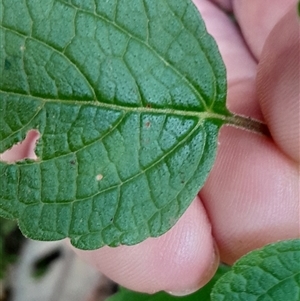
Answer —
128 98
269 274
203 294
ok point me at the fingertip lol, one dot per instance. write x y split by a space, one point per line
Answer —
206 277
180 261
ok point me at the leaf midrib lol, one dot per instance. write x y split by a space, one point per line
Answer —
125 110
96 103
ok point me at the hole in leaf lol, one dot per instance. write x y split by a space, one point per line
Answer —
22 150
42 265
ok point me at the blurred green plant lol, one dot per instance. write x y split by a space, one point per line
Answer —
10 242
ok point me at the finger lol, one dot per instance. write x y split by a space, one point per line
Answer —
240 66
224 4
180 261
184 258
278 83
152 265
251 195
257 18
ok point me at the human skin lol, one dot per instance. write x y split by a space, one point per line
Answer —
251 197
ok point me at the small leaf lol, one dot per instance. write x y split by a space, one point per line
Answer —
202 294
269 274
127 98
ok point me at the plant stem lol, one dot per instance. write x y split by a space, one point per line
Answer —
249 124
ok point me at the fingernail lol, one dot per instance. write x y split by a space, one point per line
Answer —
183 293
206 277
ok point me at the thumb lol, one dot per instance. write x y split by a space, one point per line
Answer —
278 83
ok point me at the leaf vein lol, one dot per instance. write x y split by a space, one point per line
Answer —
192 87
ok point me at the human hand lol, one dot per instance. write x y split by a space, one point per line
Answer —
251 197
